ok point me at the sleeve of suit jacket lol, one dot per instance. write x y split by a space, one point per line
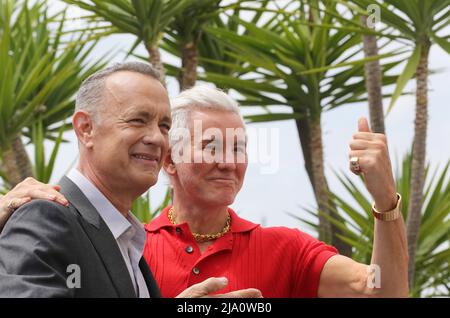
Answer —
36 246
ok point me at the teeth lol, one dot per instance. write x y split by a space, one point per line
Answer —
142 157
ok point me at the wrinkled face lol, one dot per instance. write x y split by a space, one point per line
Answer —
218 159
131 136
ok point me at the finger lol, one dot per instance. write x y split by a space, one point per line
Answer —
19 202
48 193
361 154
360 144
243 293
365 160
370 136
41 194
211 285
363 136
363 125
16 203
204 288
57 187
61 199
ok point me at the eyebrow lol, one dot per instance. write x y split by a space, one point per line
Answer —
139 113
147 115
236 144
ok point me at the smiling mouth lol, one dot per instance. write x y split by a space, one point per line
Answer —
223 180
146 158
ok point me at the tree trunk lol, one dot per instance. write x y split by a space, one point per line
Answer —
189 62
16 163
372 73
310 135
305 141
320 182
155 60
418 159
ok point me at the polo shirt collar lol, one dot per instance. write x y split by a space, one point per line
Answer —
238 224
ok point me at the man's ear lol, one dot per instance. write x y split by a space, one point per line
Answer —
168 164
82 123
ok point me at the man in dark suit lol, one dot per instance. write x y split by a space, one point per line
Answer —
92 247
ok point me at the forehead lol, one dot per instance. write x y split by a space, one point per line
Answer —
131 91
215 118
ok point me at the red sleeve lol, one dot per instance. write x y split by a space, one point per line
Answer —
312 255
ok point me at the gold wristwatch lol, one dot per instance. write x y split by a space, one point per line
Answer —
390 215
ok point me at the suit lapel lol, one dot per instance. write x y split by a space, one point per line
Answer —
152 287
102 239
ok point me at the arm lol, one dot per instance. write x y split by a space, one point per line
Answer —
343 277
24 192
36 246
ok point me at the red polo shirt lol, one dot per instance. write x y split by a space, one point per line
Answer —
279 261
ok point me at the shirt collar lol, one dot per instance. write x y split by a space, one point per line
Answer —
115 221
238 224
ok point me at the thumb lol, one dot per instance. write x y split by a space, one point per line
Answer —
212 284
204 288
363 125
242 293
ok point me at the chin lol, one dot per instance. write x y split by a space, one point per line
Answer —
147 180
223 200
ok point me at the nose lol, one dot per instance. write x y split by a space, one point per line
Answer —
154 136
229 166
228 161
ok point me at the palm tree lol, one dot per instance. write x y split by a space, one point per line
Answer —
185 37
304 60
432 276
420 23
40 75
146 19
372 71
185 32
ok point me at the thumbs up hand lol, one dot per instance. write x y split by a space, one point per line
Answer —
369 156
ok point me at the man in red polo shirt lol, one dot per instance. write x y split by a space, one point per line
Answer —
199 236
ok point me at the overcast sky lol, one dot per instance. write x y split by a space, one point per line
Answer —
266 198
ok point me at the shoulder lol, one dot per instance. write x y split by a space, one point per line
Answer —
40 214
288 238
285 233
41 207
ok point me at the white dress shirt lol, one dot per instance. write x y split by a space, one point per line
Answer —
128 232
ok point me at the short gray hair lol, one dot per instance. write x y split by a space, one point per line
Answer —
199 97
90 93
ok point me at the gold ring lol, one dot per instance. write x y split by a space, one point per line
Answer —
10 205
354 165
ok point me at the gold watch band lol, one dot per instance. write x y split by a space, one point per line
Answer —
390 215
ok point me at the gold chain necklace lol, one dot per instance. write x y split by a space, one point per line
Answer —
203 237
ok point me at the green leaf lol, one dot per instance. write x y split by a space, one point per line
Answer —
273 117
444 44
407 73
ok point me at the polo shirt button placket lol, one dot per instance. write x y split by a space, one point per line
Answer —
189 249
